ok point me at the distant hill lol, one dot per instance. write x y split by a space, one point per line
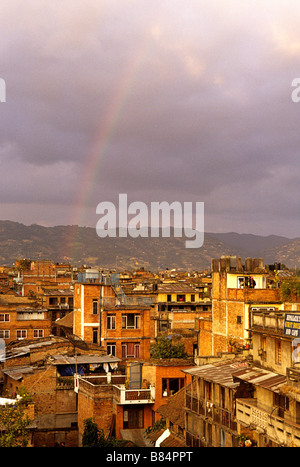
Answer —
81 245
251 245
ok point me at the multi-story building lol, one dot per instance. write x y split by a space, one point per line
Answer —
236 287
48 369
210 404
125 405
178 306
270 416
59 303
22 318
252 401
103 314
34 275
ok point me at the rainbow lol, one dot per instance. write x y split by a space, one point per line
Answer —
104 135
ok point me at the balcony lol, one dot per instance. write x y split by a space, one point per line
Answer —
281 431
134 396
210 410
272 322
28 315
122 395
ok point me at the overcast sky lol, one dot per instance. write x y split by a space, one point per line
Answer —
164 100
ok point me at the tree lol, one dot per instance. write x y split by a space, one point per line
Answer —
165 348
13 425
290 288
93 437
91 434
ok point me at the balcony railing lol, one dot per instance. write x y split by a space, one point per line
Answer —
208 409
134 396
280 430
121 394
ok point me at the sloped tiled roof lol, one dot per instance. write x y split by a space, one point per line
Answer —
173 409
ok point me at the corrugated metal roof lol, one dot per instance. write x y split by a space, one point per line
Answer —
81 359
219 372
17 372
175 288
261 377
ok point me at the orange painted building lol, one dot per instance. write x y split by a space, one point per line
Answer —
100 316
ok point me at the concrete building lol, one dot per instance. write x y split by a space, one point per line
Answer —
210 404
271 416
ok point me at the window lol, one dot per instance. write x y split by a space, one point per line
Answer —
111 322
238 319
111 348
130 349
246 281
192 297
169 298
4 317
95 335
38 333
4 334
171 385
131 321
21 333
95 306
282 403
163 325
133 417
180 298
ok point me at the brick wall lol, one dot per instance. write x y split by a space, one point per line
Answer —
95 402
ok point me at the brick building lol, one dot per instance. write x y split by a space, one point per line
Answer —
103 314
178 306
126 404
22 318
236 287
59 303
34 275
46 369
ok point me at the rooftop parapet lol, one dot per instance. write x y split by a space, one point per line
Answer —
233 264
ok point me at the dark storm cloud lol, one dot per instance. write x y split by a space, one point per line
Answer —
192 101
